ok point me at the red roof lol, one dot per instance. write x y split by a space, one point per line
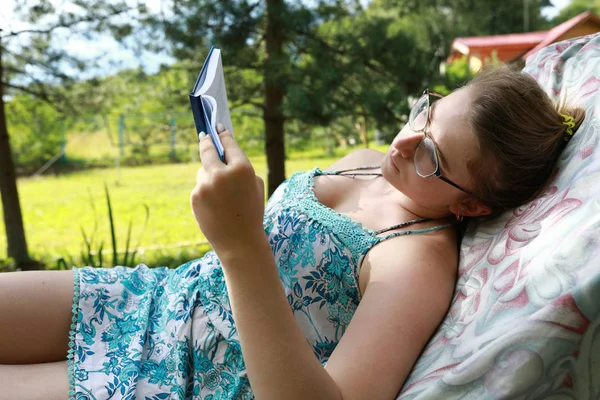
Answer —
561 29
529 38
528 42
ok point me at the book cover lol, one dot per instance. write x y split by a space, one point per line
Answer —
209 100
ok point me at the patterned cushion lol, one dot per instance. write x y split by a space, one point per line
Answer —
524 320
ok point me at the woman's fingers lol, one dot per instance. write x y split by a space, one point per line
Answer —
234 153
208 153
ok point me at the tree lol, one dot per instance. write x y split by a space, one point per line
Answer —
359 70
32 64
13 220
258 39
313 61
575 8
331 61
479 18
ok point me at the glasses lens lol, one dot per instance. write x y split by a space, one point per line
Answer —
418 114
426 162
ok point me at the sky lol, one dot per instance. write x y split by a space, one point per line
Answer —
550 12
118 57
121 57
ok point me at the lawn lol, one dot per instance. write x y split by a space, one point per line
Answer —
56 208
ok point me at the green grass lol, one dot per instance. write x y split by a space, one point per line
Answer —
56 207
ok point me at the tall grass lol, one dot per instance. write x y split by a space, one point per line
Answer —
94 256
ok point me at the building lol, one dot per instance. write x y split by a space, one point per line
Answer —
516 47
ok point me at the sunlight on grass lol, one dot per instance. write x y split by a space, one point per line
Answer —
90 145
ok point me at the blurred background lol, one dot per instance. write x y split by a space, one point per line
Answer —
98 151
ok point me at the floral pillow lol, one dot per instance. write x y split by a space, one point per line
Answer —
524 322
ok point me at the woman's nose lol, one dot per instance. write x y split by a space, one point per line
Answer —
407 141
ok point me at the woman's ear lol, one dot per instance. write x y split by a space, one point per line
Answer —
470 207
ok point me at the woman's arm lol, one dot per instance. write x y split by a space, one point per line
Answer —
411 281
279 361
410 284
228 203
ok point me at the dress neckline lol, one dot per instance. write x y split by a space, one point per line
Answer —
372 233
313 196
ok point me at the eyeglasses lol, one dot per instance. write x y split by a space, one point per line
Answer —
426 159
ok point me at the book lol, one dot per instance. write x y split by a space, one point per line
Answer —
209 100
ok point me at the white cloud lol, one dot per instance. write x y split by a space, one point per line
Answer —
551 12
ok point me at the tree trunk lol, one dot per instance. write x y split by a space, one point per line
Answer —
341 140
13 220
361 127
274 95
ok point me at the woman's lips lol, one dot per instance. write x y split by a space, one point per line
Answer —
393 162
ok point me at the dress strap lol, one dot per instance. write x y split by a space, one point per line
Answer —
416 231
402 225
343 172
347 172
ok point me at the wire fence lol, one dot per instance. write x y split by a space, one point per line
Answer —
137 139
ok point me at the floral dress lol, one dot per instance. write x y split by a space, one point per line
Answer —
159 333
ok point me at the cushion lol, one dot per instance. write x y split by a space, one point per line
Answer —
524 319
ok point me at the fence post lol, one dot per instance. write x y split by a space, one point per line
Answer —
121 129
172 124
63 157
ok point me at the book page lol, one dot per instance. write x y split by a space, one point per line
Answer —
199 86
216 89
209 107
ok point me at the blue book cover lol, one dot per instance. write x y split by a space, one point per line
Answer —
209 100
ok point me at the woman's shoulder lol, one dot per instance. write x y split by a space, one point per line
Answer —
357 158
435 252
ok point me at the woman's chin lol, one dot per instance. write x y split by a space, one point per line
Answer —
390 166
392 174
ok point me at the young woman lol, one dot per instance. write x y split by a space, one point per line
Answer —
330 292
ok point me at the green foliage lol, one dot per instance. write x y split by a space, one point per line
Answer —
36 131
8 265
575 8
346 70
358 70
34 64
457 74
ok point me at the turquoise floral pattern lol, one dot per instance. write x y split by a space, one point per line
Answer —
158 333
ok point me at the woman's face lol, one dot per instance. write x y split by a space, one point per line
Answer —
456 146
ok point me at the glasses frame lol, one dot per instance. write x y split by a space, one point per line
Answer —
437 173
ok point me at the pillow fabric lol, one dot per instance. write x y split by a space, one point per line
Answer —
524 322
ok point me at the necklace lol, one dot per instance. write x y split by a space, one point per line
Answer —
352 175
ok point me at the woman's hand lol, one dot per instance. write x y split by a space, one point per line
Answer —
228 200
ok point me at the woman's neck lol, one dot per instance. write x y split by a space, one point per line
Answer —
391 194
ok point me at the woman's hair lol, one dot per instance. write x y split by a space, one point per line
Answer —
520 133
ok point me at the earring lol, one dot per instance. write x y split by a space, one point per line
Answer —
458 217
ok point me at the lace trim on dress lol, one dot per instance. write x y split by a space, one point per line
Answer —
72 331
299 195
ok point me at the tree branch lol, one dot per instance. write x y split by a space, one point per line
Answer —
245 102
39 64
366 62
88 18
42 95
